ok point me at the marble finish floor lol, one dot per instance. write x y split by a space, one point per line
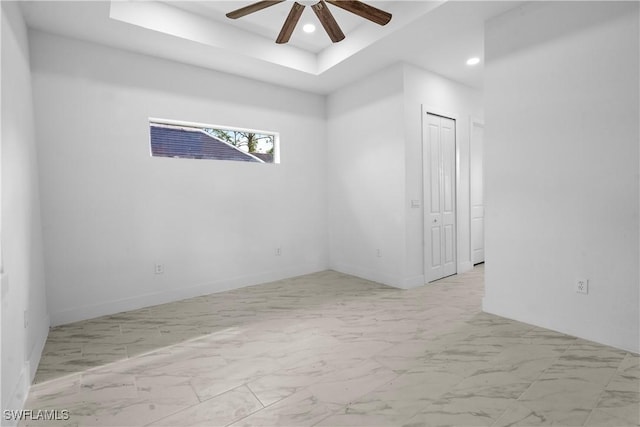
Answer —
328 349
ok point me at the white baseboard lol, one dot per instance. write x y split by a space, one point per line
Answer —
18 397
36 351
464 266
364 273
132 303
414 282
507 311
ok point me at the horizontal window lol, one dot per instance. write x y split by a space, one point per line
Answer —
187 140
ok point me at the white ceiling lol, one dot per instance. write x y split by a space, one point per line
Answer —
435 35
267 22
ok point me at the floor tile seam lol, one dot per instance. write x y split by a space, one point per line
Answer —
243 383
597 344
555 360
532 412
419 411
328 378
613 410
64 377
132 355
524 403
604 386
431 340
322 419
628 355
433 400
331 414
163 347
136 401
537 378
465 410
374 358
194 390
307 387
256 411
496 418
586 421
404 415
495 422
200 402
185 377
246 416
603 390
170 415
254 395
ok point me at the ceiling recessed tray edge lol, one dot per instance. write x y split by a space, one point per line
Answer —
164 18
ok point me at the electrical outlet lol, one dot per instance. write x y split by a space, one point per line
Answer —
278 251
582 286
26 319
378 253
159 268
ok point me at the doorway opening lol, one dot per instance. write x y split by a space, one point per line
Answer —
476 191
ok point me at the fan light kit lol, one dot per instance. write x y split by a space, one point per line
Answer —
323 13
473 61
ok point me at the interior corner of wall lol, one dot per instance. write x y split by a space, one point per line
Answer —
487 305
36 352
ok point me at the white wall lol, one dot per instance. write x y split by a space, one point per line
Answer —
375 170
366 165
111 211
23 284
439 95
562 108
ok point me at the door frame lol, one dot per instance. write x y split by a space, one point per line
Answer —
424 110
473 121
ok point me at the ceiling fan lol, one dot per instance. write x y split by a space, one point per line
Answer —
323 13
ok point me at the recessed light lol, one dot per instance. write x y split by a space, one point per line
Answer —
473 61
309 28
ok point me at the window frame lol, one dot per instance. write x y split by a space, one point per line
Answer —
202 126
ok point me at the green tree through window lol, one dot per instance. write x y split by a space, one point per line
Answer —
249 141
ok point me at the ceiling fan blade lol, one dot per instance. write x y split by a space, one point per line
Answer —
371 13
254 7
290 23
328 21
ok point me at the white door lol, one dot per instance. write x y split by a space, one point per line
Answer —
439 163
477 193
